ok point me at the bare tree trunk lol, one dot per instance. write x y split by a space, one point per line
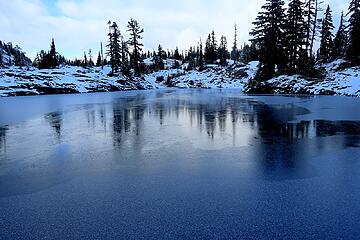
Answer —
309 27
102 57
317 9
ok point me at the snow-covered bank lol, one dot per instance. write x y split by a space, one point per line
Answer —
31 81
234 76
337 80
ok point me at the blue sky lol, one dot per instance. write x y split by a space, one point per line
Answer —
52 8
78 25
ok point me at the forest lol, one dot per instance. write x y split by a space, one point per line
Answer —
288 38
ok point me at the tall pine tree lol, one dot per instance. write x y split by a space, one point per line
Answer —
235 50
52 55
158 59
214 46
245 54
98 61
85 62
201 56
340 40
114 47
208 50
211 50
268 36
125 57
326 44
222 51
91 62
296 37
134 42
177 54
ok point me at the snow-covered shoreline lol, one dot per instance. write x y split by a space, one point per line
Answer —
336 81
32 81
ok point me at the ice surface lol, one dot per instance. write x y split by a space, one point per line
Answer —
179 164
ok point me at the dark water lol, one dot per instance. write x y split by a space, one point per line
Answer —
199 164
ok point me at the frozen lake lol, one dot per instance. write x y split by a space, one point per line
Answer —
179 164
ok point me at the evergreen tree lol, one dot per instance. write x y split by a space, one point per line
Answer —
40 59
245 54
52 55
340 40
208 51
85 63
158 59
61 59
134 42
125 57
214 46
353 51
191 58
296 37
254 52
161 53
268 36
114 48
176 54
222 51
211 50
235 50
201 56
91 62
98 61
326 44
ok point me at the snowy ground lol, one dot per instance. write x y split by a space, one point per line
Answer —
31 81
15 81
337 81
231 77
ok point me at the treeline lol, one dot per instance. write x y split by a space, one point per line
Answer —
213 52
10 55
285 37
126 56
283 40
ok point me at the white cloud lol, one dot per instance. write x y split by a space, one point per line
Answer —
81 24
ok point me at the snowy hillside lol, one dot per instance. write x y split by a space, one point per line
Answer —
337 80
233 76
14 81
